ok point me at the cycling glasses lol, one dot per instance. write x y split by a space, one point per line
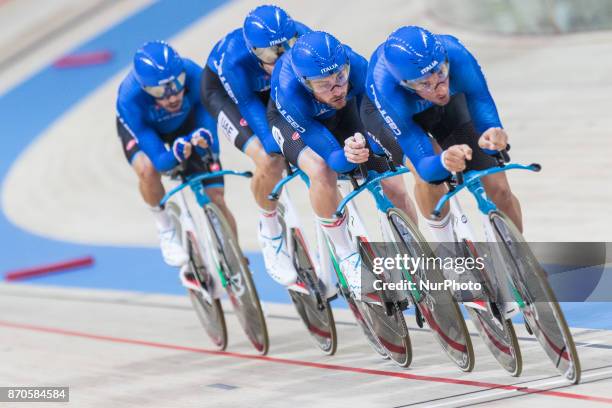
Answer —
171 87
269 55
323 84
424 83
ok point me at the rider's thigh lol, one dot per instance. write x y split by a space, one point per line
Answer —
497 187
144 169
394 187
262 160
316 168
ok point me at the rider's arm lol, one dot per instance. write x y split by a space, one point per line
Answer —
202 118
315 135
415 143
251 107
471 80
148 140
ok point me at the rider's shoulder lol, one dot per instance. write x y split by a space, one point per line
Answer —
301 28
454 47
287 87
130 92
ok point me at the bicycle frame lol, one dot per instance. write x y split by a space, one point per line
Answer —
190 222
472 181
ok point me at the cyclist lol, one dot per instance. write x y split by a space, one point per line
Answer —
423 83
314 114
161 123
235 90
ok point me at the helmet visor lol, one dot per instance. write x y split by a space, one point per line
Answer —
429 81
170 87
269 55
322 84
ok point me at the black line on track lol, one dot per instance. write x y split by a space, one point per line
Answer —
127 302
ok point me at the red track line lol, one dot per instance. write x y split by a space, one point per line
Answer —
301 363
49 268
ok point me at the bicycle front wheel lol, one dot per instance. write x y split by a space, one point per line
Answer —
209 312
438 307
535 298
316 312
385 319
238 281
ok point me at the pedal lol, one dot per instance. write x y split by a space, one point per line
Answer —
389 308
403 304
331 298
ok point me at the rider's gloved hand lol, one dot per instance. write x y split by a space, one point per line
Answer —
493 140
453 158
356 149
181 148
200 138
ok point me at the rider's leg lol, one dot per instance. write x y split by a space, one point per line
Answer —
152 191
395 189
427 196
324 199
498 190
268 172
216 195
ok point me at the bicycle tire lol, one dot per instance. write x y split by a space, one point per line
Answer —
210 314
540 307
390 329
319 322
438 307
239 283
498 334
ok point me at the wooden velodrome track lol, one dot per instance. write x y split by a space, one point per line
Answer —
133 349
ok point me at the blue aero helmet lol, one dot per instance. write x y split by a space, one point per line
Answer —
412 54
159 69
269 32
319 55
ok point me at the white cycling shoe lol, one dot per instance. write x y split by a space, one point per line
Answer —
351 269
172 251
277 260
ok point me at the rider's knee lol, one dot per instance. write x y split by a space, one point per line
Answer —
216 195
500 193
271 163
145 170
320 172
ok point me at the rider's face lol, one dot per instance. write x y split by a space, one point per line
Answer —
172 103
331 90
437 91
336 97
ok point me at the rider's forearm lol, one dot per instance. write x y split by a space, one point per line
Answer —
431 169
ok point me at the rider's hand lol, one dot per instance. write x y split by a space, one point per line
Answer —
201 137
455 156
355 149
181 148
493 139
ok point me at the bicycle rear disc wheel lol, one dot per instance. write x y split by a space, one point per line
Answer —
390 330
210 313
240 286
538 302
315 312
438 307
500 338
